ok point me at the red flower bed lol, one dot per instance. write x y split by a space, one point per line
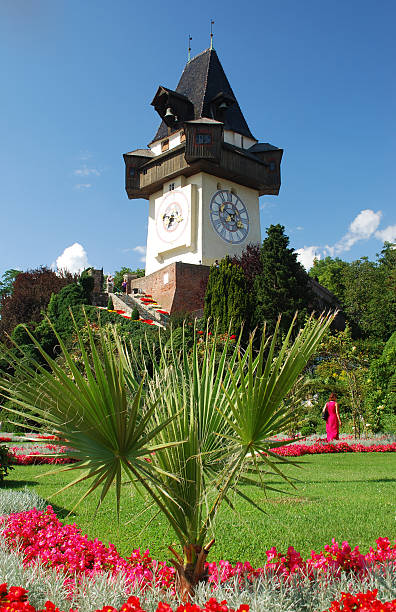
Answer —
36 457
319 448
16 598
42 536
4 439
364 602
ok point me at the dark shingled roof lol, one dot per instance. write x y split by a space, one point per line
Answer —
202 80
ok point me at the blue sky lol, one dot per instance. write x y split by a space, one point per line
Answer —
312 77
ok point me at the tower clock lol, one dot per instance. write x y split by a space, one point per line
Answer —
229 216
203 172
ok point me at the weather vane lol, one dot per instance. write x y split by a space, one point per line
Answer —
211 33
189 47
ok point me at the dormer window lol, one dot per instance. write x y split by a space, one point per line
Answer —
203 138
165 145
182 136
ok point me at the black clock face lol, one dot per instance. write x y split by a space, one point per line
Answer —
229 216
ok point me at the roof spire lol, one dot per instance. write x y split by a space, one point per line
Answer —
211 33
189 47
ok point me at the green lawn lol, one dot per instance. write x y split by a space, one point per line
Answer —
345 496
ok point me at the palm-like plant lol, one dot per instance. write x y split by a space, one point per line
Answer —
204 421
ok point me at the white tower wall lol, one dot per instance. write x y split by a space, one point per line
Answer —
194 240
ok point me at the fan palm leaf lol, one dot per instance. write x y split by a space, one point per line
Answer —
205 419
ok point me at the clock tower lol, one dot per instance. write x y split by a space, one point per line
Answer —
203 172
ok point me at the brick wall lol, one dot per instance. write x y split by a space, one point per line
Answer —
178 287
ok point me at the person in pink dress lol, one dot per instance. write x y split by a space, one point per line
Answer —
333 421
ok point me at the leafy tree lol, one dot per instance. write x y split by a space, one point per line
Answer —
110 305
227 299
381 388
119 276
135 316
330 273
31 294
7 282
342 368
283 285
250 262
366 289
387 264
59 312
367 301
206 425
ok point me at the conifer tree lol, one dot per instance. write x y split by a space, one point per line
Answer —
283 285
227 298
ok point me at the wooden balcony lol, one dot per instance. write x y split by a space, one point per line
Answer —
144 177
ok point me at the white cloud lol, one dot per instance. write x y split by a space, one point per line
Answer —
299 228
142 251
85 171
74 259
362 227
306 256
83 186
388 234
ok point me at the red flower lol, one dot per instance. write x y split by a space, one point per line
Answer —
163 607
17 594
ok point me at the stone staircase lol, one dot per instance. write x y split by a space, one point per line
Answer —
146 311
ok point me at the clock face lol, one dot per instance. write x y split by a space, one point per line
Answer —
172 216
229 216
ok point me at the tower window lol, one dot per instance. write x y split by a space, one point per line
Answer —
165 145
131 171
182 136
203 139
171 186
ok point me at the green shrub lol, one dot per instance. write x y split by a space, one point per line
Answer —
5 465
135 316
380 401
110 305
180 318
177 338
87 283
20 335
227 298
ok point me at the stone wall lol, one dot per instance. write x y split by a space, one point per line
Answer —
179 287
